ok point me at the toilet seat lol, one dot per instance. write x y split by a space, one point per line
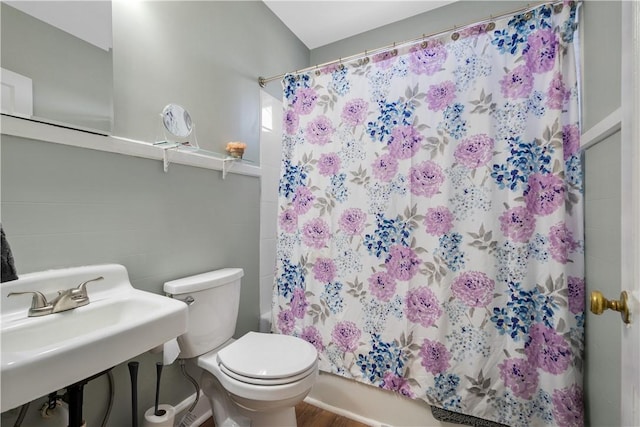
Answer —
267 359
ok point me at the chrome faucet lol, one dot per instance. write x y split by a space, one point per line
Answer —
65 300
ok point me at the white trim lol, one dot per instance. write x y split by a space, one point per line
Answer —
630 211
342 412
49 133
602 130
202 411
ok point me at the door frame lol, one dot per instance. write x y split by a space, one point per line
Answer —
630 220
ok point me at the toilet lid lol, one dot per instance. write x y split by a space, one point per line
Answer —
268 356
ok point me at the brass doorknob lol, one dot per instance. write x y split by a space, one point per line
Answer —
599 304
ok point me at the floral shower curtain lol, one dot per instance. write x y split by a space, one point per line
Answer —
430 235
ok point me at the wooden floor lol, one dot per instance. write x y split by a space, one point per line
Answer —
311 416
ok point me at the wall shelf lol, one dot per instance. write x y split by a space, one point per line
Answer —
25 128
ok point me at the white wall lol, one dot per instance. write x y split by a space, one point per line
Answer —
270 158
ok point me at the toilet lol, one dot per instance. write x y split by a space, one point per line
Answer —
255 380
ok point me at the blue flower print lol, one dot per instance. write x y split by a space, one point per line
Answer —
382 358
523 309
513 38
526 158
452 122
391 115
573 172
292 177
291 277
388 232
331 295
338 188
339 83
445 390
449 251
292 82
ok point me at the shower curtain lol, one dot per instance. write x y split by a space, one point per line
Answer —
430 235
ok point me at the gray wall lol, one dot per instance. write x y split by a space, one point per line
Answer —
72 79
204 55
441 19
65 206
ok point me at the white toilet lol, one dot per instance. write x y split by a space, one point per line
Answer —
255 380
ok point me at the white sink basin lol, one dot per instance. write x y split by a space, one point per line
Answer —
44 354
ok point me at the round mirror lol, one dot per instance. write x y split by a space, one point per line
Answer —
177 120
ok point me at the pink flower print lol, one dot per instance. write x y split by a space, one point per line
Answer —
305 100
393 382
385 167
518 224
428 60
561 242
540 53
473 31
435 356
570 140
289 221
328 164
324 270
404 142
355 111
286 322
567 406
319 130
475 151
438 220
298 305
547 350
291 122
382 285
352 221
422 306
557 93
402 262
520 376
575 286
441 95
302 200
425 178
518 83
473 288
315 233
544 194
346 335
384 60
313 336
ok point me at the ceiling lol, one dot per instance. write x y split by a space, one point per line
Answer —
318 23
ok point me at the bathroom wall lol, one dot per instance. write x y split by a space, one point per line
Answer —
64 206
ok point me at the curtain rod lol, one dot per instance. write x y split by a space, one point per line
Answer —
262 81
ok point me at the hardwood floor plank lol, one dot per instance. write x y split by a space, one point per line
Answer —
312 416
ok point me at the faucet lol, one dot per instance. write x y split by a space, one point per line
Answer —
65 300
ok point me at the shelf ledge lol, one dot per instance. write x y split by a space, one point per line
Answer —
25 128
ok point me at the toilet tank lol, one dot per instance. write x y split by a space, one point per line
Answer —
213 299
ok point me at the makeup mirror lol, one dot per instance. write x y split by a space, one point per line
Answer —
177 126
177 121
57 63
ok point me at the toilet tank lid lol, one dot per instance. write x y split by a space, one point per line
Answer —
203 281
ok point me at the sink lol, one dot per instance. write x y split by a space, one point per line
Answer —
44 354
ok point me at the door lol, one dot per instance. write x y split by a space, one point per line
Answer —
612 228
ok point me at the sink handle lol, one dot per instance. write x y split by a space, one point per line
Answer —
81 290
39 304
